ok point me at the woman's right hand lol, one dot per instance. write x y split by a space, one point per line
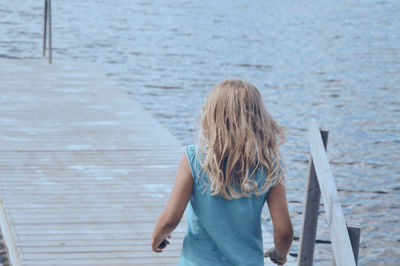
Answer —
271 253
160 244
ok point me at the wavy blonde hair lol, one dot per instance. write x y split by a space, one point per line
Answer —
237 137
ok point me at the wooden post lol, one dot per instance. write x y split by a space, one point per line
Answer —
310 213
354 234
50 48
47 21
44 29
354 230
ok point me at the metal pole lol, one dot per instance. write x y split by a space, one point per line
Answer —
44 29
50 47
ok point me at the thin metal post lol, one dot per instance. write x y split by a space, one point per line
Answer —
50 47
310 213
44 29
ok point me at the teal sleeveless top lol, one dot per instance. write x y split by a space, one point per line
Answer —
220 231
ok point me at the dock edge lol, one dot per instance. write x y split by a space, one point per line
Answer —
8 237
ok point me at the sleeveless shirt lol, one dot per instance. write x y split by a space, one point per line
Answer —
220 231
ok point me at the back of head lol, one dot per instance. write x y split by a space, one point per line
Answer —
237 137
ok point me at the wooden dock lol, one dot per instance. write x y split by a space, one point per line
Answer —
84 170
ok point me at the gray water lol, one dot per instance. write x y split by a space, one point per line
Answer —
336 61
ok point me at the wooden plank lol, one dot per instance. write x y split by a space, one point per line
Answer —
29 237
337 227
8 237
173 246
155 260
127 244
55 257
310 213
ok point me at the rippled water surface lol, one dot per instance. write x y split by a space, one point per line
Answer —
336 61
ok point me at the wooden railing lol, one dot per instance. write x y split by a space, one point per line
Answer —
344 238
8 238
47 22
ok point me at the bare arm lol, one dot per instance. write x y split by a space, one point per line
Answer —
173 212
283 230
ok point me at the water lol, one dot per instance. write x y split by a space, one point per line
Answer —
336 61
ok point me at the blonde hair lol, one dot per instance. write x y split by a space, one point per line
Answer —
237 137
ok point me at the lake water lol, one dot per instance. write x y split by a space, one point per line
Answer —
336 61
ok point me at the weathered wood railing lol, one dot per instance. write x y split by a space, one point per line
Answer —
345 239
8 238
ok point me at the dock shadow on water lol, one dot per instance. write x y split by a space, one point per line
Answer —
338 62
